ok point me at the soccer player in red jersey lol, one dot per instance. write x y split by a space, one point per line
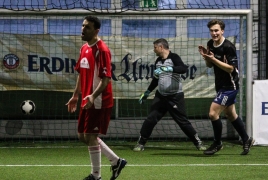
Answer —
94 83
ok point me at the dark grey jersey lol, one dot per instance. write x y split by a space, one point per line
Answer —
169 83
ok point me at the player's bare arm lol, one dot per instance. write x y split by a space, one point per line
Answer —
224 66
100 88
208 62
72 103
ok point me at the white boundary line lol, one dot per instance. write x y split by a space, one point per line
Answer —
45 147
132 165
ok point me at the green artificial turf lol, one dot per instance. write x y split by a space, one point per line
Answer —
159 160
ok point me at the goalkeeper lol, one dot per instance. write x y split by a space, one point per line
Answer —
169 96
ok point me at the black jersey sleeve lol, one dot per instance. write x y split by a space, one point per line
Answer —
179 67
231 55
153 84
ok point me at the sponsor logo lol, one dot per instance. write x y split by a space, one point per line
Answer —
50 65
84 63
264 109
130 70
217 56
11 61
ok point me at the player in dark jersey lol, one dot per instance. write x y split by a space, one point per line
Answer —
94 84
221 55
169 96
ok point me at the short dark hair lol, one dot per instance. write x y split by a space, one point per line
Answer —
95 20
216 21
162 42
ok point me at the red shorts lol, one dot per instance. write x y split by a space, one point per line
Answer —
94 121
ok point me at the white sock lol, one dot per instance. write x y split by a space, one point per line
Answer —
112 157
95 157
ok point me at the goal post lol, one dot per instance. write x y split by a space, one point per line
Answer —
47 59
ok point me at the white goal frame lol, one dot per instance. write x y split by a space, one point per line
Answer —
242 12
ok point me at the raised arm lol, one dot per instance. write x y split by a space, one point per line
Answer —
203 51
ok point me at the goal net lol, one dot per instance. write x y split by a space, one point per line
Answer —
40 48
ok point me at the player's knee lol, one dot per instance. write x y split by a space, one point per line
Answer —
182 121
213 115
91 139
147 128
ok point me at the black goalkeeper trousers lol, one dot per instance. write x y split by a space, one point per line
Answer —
175 105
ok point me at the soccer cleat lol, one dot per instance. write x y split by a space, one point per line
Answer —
213 149
117 168
200 147
91 177
198 143
247 145
138 147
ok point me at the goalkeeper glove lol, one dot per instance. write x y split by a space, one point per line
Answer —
163 69
144 96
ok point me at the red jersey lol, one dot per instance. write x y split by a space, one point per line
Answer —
93 64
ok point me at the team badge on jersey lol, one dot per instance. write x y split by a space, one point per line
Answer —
11 61
84 63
